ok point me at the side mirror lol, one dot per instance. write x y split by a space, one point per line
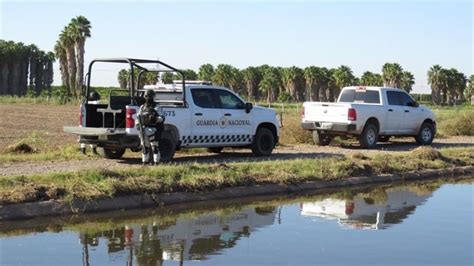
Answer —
248 107
412 104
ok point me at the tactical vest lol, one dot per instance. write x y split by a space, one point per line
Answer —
149 116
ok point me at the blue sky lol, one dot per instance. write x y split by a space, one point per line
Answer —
361 34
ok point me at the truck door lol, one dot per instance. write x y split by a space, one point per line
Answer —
394 112
205 119
411 115
236 123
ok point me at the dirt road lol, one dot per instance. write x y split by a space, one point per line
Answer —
132 160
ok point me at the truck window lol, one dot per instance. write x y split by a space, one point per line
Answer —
406 99
399 98
204 98
363 96
228 101
393 98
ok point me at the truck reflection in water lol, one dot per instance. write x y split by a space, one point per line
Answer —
181 239
378 209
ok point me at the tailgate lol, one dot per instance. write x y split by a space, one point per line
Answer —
93 131
325 112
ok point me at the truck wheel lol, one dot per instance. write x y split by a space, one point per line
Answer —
321 139
263 143
384 138
215 149
426 134
110 153
368 138
167 147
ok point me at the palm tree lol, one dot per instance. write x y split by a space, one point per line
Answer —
332 87
189 74
392 74
436 80
293 79
223 75
67 42
371 79
251 78
48 71
237 81
123 77
206 72
343 77
270 83
469 92
79 30
60 52
407 81
314 79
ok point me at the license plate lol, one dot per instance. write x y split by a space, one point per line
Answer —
326 125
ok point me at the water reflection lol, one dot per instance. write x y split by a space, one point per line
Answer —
145 238
181 239
376 210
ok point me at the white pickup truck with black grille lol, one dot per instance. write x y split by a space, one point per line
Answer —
370 114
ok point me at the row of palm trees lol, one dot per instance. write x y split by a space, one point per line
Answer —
24 67
69 50
287 83
448 86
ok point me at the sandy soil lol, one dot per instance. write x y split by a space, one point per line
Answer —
47 122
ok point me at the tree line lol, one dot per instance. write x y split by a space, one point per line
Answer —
449 86
69 50
24 68
313 83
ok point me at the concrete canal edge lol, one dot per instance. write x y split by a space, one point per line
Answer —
56 208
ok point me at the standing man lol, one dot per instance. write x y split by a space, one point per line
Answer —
150 124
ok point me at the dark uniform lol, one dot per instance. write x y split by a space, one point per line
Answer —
150 123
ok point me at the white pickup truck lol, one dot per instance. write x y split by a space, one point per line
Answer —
371 114
197 116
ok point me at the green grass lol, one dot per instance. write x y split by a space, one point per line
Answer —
96 183
38 100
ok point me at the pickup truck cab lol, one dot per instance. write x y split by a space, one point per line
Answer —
196 116
370 114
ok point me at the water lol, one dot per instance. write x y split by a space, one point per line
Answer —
423 223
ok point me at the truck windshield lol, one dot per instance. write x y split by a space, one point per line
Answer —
360 96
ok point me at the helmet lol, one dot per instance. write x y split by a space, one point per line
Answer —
94 96
150 97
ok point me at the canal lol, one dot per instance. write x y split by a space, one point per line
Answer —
417 223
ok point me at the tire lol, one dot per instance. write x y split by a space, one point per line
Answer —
321 139
426 134
384 138
167 147
263 143
215 149
368 138
110 153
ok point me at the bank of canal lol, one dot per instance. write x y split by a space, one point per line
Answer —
416 223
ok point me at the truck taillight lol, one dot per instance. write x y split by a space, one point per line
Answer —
351 114
129 121
302 112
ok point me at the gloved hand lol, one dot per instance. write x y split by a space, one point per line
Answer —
160 119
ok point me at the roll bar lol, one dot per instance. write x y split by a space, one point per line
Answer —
138 64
